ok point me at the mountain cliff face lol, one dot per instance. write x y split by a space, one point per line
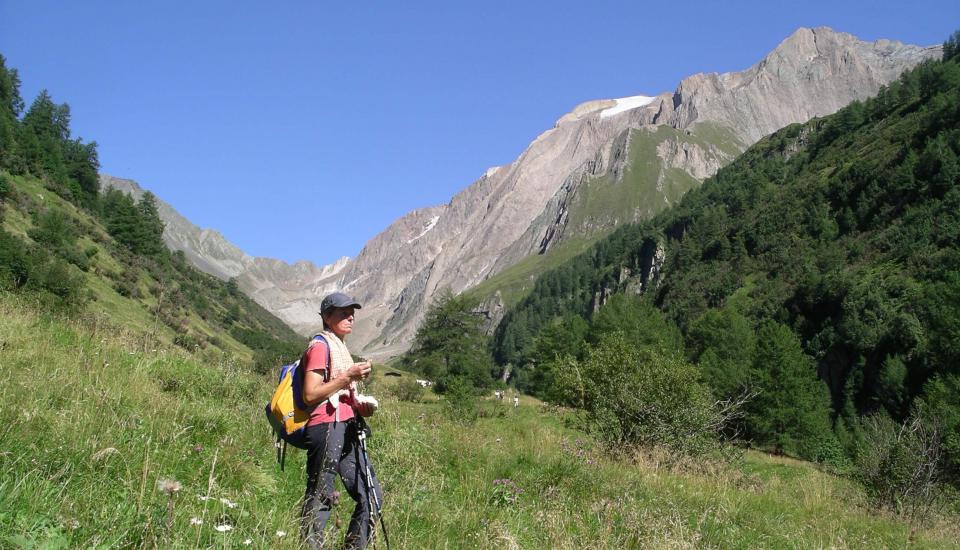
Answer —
605 163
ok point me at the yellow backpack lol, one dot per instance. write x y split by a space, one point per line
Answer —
287 413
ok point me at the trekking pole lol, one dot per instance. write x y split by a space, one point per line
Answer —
371 490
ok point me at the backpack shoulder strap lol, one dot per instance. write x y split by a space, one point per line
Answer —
318 338
300 374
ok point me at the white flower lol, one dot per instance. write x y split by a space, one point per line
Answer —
247 542
168 486
196 521
227 503
224 527
281 533
203 498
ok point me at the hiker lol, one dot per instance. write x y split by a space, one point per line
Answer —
332 436
516 401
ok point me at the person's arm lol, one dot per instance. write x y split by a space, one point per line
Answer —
315 390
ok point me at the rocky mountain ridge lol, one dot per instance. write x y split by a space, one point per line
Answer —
571 181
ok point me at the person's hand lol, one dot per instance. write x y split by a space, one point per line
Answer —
359 371
365 409
366 405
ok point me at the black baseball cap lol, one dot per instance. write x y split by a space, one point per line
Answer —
337 299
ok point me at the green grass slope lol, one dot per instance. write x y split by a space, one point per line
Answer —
94 429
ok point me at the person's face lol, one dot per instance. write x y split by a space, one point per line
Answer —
339 320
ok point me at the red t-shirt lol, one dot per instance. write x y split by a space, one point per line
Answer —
316 360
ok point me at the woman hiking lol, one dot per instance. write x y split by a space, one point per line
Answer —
333 447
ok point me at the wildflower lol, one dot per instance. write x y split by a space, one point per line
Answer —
281 533
224 527
196 521
248 542
227 503
169 486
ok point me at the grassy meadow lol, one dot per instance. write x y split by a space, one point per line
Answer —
106 445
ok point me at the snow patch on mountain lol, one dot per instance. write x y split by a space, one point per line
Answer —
626 104
430 225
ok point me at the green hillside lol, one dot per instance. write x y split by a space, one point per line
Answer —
600 204
828 251
646 187
160 449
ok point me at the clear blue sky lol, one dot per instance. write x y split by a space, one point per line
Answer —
279 122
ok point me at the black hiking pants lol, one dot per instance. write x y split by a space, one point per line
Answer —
333 448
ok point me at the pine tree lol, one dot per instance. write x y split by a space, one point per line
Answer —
450 343
565 336
640 322
11 105
150 226
49 126
723 343
792 411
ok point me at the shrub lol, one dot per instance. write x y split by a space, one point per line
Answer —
940 403
54 229
75 257
127 283
14 261
56 278
187 340
899 464
460 398
407 389
633 397
266 361
5 187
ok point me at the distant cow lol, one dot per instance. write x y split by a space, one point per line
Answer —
424 383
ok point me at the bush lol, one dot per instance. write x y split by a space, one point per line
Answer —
266 361
940 403
899 464
407 389
54 229
634 397
56 278
75 257
14 261
127 283
5 187
460 398
187 340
